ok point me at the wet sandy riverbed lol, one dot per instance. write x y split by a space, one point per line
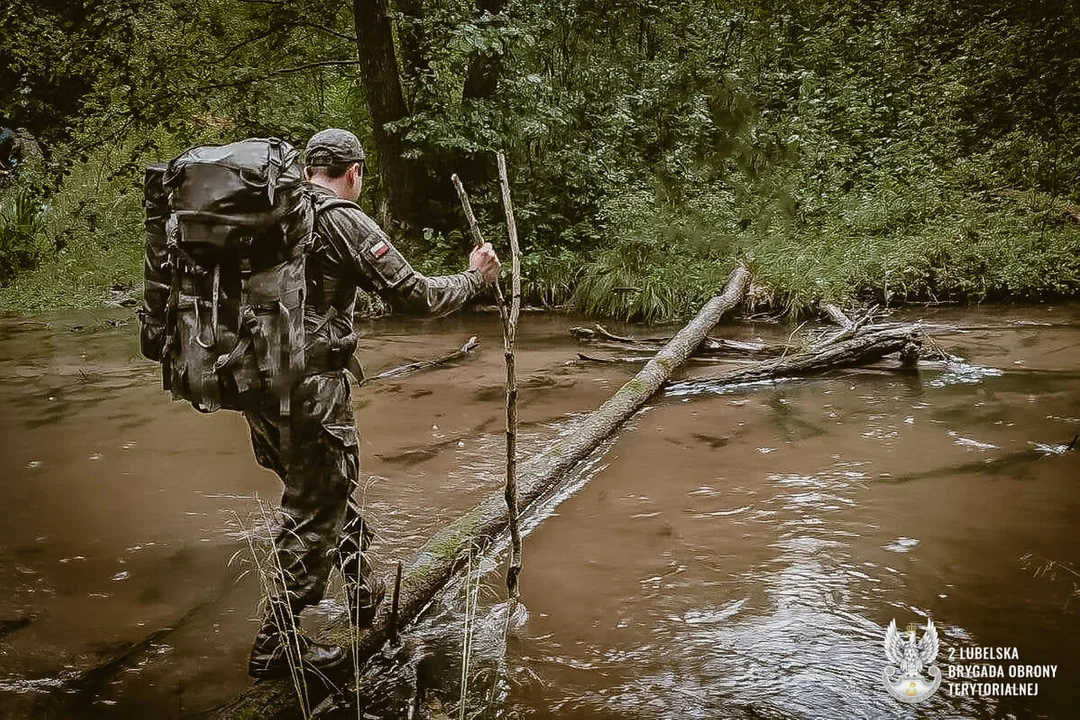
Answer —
734 554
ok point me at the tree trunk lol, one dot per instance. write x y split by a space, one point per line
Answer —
435 564
386 103
481 80
413 48
484 67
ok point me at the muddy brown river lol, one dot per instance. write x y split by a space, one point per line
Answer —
732 553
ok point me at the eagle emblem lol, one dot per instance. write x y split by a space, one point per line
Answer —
903 675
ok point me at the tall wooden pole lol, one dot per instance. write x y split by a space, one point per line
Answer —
514 571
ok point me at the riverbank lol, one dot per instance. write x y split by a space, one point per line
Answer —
984 251
921 152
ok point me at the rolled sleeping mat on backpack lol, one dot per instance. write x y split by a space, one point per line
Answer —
157 275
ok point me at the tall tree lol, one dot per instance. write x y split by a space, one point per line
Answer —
386 103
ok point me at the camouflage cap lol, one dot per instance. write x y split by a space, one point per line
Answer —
331 147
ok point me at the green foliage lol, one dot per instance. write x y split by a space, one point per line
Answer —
662 263
444 253
969 251
20 228
548 279
895 151
89 236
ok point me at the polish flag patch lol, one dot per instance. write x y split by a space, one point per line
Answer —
380 248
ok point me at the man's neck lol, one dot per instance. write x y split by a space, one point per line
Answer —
323 185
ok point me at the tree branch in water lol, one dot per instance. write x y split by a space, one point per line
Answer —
410 368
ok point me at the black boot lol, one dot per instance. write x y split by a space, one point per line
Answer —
270 658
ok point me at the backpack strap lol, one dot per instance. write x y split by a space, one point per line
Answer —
355 369
172 250
322 203
285 391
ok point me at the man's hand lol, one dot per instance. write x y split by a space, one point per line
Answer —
484 259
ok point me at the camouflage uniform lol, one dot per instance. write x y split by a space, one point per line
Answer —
322 526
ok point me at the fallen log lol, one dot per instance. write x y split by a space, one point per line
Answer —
442 556
836 315
412 367
845 349
848 327
866 346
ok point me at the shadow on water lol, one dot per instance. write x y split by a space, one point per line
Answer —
76 693
1014 464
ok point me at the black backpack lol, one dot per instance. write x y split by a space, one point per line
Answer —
228 230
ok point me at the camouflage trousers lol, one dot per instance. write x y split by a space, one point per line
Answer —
321 526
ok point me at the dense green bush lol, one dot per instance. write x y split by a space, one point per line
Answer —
891 151
20 232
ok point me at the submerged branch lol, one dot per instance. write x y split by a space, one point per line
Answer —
710 346
642 359
409 368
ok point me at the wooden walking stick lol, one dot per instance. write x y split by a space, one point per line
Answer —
511 385
509 318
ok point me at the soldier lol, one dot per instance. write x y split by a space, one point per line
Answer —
322 526
7 151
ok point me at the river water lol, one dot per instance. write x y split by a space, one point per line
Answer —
733 553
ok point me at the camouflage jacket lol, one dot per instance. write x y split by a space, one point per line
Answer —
351 251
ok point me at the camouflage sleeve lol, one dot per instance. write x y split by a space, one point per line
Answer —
379 267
